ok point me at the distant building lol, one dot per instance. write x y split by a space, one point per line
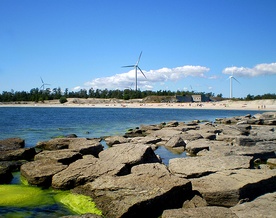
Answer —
192 98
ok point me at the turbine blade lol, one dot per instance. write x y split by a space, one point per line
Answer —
41 80
139 58
142 72
236 80
129 66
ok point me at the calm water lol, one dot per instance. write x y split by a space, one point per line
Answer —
36 124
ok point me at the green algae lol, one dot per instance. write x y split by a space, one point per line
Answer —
24 196
80 204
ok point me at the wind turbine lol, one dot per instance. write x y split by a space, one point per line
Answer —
43 84
136 66
231 85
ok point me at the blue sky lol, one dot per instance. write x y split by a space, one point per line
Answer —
192 45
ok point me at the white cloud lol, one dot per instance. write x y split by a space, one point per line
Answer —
127 80
258 70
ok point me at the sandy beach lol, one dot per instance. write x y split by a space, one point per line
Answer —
262 105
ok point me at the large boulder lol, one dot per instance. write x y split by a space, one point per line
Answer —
11 144
176 141
146 140
54 144
18 154
227 188
263 206
113 140
196 146
208 212
86 146
129 154
40 172
86 170
146 192
194 167
165 133
116 160
65 156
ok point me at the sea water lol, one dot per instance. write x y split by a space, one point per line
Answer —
34 124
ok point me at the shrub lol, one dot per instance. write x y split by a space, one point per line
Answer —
62 99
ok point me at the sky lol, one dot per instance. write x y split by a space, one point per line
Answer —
186 45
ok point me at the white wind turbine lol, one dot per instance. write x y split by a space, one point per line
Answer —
136 66
43 84
231 84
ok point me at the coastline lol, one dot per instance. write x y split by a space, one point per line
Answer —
262 105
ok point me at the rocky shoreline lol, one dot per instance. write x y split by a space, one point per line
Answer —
230 171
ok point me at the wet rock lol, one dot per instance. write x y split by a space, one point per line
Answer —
146 192
195 167
227 188
66 156
263 206
40 172
214 212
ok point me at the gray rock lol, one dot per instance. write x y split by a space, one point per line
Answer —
40 172
86 146
18 154
227 188
146 192
195 167
129 154
263 206
271 161
54 144
12 166
65 156
148 140
206 212
113 140
176 141
196 201
116 160
86 170
165 133
196 146
11 144
188 137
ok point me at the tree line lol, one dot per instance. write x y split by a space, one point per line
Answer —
38 95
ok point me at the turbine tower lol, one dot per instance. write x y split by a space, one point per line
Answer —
43 84
231 84
136 66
